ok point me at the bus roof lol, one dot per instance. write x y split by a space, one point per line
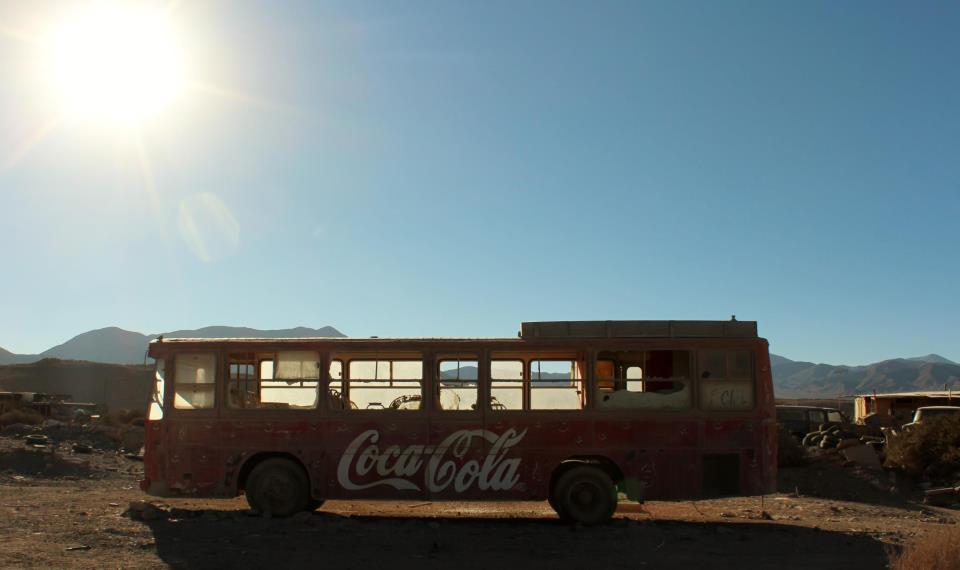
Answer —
547 330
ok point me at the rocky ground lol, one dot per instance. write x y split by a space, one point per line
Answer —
67 509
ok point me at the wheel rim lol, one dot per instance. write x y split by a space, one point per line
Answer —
278 491
586 499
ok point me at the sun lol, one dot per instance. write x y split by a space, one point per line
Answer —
114 64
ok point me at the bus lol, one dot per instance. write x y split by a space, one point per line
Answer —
578 413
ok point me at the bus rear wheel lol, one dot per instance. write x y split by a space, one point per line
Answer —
278 487
585 495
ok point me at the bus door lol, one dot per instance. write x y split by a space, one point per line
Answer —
376 433
458 443
194 462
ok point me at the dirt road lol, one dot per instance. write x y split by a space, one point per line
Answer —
837 521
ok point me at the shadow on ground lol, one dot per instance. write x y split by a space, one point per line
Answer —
224 539
827 478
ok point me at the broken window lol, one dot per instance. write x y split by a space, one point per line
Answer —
336 399
457 384
644 380
556 385
506 384
195 380
156 401
287 380
292 381
385 384
726 379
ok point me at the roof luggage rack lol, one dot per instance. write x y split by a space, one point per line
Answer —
639 329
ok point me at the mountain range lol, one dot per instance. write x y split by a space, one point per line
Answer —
795 379
113 345
792 379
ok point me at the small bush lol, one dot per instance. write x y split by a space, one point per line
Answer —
29 417
939 550
928 449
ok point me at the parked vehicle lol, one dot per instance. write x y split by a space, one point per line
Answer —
801 420
927 412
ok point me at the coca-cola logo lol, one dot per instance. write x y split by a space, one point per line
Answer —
444 464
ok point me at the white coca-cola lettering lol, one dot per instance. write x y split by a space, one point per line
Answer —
445 465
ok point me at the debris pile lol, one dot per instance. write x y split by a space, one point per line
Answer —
61 450
863 450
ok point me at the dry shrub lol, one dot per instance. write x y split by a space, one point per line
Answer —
23 416
927 449
939 550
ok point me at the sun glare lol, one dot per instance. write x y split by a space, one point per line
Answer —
114 64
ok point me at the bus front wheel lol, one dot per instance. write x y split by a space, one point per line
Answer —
585 495
279 487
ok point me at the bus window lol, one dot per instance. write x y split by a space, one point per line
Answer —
457 384
336 399
634 379
604 375
156 400
195 381
726 380
506 384
385 384
555 385
265 381
243 386
644 380
291 382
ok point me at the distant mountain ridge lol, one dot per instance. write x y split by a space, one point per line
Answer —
795 379
113 345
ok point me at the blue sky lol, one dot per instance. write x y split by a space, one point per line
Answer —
453 168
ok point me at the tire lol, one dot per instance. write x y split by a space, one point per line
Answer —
556 507
585 495
279 487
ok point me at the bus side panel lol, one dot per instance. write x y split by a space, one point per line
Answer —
246 433
747 440
665 459
155 459
547 440
194 458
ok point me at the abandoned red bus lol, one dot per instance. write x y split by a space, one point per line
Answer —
578 413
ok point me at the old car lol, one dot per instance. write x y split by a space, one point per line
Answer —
927 412
801 420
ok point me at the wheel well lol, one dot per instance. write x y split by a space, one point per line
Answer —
258 458
604 463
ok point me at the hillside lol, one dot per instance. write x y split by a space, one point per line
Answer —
117 386
794 379
114 345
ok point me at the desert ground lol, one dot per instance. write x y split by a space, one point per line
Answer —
63 509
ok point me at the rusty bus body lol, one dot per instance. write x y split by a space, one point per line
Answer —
652 409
